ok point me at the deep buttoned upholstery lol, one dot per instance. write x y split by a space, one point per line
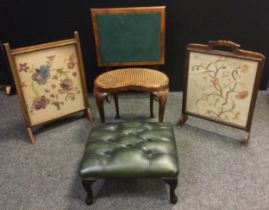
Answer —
130 149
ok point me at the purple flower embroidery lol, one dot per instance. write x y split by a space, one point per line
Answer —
66 85
41 75
40 102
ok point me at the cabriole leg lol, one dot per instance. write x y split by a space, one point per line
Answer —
173 185
87 184
99 97
162 98
151 105
116 100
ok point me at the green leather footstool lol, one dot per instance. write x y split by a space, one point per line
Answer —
130 150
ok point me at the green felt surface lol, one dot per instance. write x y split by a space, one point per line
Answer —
129 37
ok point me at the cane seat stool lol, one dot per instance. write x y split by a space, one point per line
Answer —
142 79
130 150
125 39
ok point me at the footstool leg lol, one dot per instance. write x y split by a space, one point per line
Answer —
173 185
116 100
87 184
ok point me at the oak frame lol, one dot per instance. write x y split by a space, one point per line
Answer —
236 53
11 53
96 11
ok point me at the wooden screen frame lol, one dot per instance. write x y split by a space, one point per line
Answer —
11 53
96 11
235 53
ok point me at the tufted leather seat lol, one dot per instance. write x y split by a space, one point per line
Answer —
130 150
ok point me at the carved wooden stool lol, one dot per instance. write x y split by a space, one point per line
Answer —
141 79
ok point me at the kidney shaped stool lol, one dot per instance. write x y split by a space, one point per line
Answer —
130 150
139 79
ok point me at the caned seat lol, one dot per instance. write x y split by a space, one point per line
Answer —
132 78
153 81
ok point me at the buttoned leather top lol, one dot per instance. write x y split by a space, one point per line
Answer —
130 149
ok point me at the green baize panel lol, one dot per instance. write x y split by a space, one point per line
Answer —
129 37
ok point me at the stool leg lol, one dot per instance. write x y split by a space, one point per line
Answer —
162 97
87 184
116 100
151 105
99 97
173 185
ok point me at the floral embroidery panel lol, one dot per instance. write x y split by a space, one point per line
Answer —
51 83
220 87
